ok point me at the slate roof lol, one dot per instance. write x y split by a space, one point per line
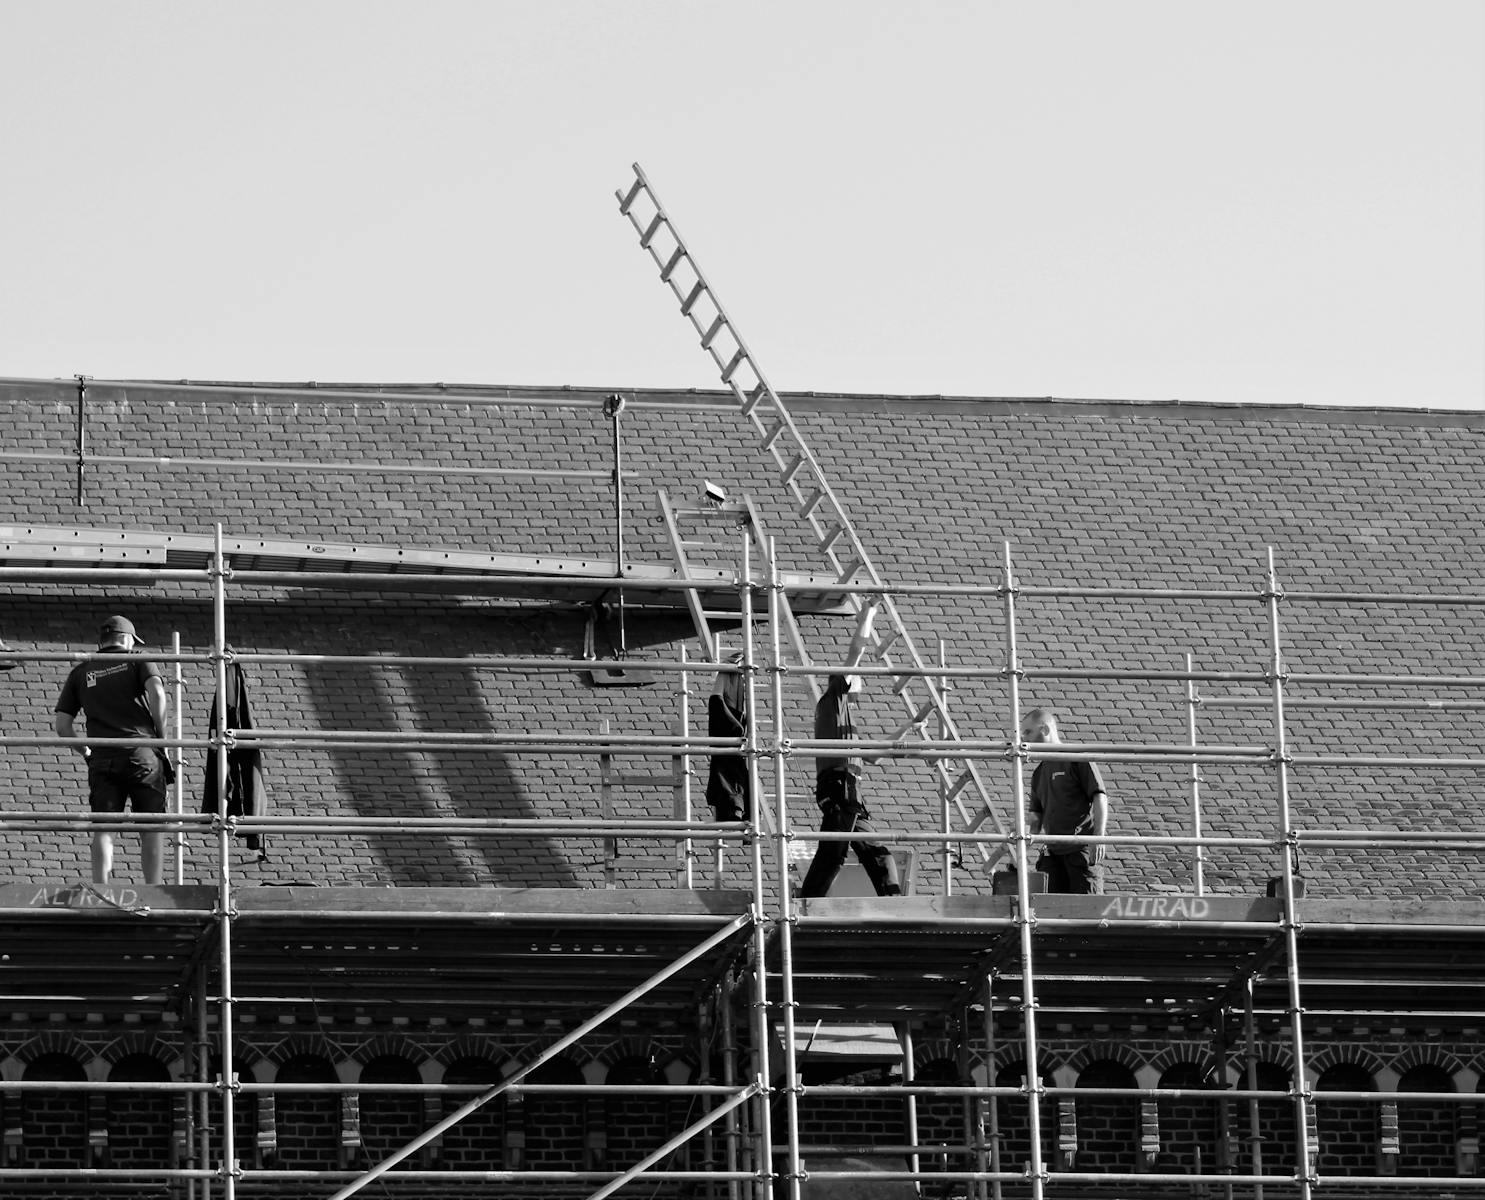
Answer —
1098 494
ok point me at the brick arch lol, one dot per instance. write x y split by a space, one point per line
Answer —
474 1046
1015 1056
1115 1052
1180 1054
1427 1056
391 1046
1349 1055
936 1050
299 1046
631 1046
53 1042
522 1055
149 1045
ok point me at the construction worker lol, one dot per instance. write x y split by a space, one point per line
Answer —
1067 797
120 698
837 782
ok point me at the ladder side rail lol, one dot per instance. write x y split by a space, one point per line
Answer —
693 601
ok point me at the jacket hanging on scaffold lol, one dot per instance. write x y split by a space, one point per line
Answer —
246 794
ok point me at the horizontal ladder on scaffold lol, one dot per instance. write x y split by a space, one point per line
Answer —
815 501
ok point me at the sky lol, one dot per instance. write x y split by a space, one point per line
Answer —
1266 201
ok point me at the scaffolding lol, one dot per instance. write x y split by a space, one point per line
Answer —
753 966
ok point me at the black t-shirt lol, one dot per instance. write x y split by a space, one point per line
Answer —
1062 792
111 695
833 722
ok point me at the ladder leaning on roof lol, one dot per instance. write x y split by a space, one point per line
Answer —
799 471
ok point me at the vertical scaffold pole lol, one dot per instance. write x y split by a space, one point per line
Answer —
945 805
792 1083
178 696
227 1082
685 875
201 1060
1199 854
1288 842
763 1163
992 1078
1024 914
612 407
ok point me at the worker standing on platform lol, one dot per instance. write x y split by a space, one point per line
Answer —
120 698
727 788
1067 798
837 782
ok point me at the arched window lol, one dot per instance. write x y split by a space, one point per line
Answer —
941 1120
555 1123
1426 1129
308 1122
389 1120
1108 1126
477 1143
1013 1116
54 1125
1347 1129
635 1125
1275 1130
140 1123
1188 1124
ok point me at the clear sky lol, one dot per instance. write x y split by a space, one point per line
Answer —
1248 202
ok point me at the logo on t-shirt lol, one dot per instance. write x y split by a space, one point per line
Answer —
98 673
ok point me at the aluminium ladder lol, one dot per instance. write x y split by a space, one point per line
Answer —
962 781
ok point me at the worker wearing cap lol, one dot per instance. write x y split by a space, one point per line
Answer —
727 789
120 698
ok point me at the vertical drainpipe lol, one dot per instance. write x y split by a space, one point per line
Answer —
82 433
612 407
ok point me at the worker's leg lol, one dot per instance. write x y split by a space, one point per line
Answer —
837 815
147 791
102 857
105 796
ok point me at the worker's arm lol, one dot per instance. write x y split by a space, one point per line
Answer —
154 700
861 639
67 729
1100 813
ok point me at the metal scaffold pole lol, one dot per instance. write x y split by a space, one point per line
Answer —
1024 917
227 1079
1288 848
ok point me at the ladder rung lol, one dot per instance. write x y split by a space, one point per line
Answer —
772 435
974 825
888 642
812 503
831 538
675 260
697 291
626 200
715 328
757 394
652 229
960 784
792 470
845 576
736 361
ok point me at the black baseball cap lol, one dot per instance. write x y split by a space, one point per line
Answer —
114 626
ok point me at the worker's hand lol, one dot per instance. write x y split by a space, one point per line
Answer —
1098 853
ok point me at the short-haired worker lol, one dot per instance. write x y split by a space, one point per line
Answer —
120 698
1067 799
